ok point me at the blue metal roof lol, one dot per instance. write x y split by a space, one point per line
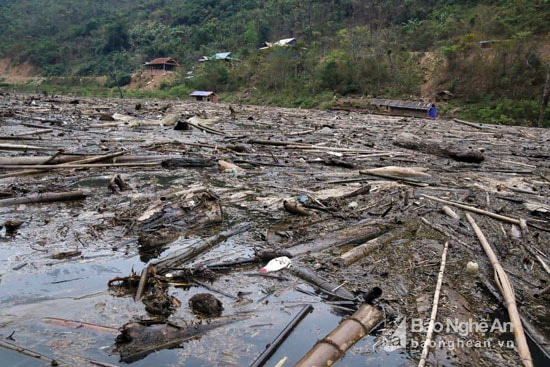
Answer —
410 105
221 56
201 93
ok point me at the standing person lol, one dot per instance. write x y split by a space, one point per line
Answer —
432 112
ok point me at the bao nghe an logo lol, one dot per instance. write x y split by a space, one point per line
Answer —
397 339
472 334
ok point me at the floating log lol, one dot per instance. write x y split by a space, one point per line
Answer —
439 148
335 290
412 175
507 290
78 324
536 336
68 158
468 123
28 352
228 166
139 339
24 147
358 252
184 255
332 347
347 236
474 210
174 163
273 346
435 305
294 208
44 198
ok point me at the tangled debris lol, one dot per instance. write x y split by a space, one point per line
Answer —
205 195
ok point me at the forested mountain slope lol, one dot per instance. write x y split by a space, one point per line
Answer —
345 47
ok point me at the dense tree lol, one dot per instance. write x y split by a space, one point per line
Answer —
365 47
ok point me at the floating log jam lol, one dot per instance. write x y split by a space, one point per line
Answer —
332 347
437 147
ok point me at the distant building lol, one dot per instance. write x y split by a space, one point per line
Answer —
402 108
283 42
485 44
207 96
223 56
163 63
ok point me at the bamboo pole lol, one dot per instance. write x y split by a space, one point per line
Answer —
29 353
41 167
332 347
474 210
507 291
272 347
431 325
24 147
70 158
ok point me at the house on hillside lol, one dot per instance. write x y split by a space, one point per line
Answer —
221 56
402 108
162 63
283 42
207 96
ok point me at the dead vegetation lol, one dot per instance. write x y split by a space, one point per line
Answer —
204 195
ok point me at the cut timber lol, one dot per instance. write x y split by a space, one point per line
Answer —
358 252
178 258
408 174
331 348
347 236
44 198
77 158
324 285
474 210
439 148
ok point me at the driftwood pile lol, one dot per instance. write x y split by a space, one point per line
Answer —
367 208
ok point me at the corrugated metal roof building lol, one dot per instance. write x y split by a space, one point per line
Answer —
224 56
201 95
403 108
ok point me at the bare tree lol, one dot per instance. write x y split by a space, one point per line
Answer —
545 97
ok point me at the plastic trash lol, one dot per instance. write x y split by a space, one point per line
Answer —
276 264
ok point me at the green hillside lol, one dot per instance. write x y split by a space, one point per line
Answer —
355 48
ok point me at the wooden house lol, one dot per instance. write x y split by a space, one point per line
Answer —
207 96
162 63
